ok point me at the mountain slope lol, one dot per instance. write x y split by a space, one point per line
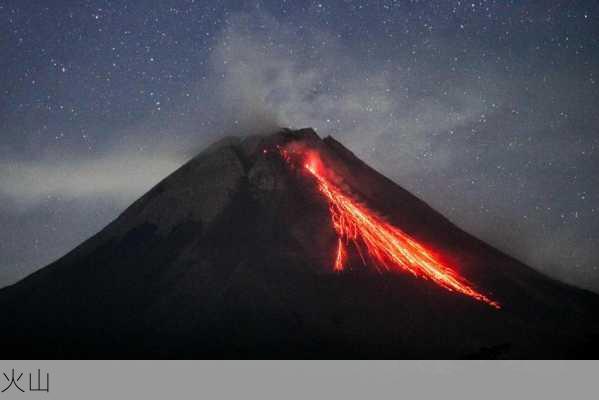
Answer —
231 256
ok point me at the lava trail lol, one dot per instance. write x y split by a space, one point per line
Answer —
386 245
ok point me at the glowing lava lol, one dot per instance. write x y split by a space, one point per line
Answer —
341 256
387 246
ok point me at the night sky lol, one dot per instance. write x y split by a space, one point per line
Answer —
487 110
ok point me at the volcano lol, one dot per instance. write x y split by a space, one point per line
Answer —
287 245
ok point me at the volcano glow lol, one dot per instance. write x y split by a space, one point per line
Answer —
387 246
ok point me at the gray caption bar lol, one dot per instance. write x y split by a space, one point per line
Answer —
305 380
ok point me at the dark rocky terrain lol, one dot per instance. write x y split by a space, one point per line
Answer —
230 257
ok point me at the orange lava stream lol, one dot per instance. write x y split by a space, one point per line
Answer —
388 246
341 257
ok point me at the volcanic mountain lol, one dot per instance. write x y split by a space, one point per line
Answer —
288 246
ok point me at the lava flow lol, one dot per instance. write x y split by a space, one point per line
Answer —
386 245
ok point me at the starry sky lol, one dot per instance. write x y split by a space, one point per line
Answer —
487 110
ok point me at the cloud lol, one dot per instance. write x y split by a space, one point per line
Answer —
121 175
280 81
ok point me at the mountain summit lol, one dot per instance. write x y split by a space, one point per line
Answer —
288 245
